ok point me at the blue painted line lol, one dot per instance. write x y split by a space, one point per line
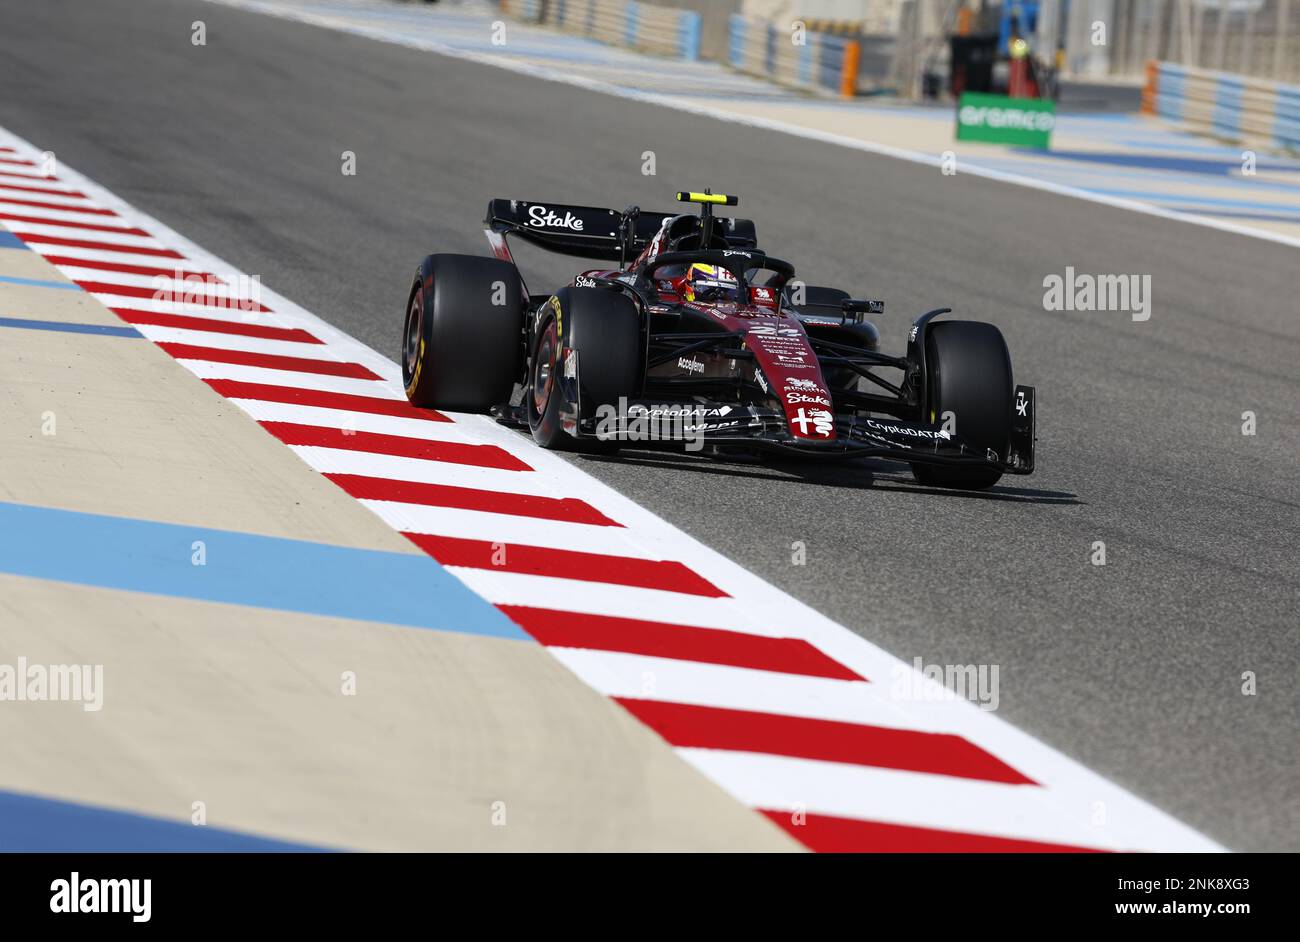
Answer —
242 569
1227 153
38 283
10 241
713 95
1159 162
1062 173
595 58
1237 214
1103 118
104 329
29 824
1154 196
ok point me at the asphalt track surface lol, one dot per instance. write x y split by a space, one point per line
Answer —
1134 668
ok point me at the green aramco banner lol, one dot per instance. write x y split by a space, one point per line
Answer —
1025 122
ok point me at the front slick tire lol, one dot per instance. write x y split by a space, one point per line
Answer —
604 328
969 375
462 339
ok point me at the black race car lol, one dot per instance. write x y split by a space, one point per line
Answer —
698 336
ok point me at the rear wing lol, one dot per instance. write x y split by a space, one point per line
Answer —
589 231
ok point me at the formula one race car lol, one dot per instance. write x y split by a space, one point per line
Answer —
698 336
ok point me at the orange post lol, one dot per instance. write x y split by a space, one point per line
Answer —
1151 87
849 69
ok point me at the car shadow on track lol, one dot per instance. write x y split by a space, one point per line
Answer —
853 474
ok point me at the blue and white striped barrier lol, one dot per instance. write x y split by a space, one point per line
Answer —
641 26
1235 107
816 61
530 11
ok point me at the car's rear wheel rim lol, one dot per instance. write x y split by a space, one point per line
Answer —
414 328
548 349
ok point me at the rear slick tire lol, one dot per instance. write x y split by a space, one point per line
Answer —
462 339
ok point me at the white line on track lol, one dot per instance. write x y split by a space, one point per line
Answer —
21 206
15 196
208 369
165 305
792 784
617 674
123 257
222 341
321 417
162 283
503 528
425 471
41 188
617 601
123 241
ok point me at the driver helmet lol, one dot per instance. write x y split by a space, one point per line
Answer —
710 283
